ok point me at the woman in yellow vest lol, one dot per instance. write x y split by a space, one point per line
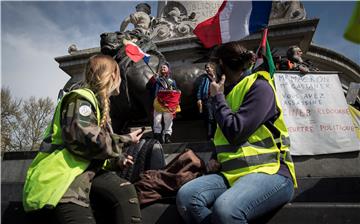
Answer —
254 173
79 145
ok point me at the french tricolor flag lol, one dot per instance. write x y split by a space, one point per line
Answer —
233 21
134 52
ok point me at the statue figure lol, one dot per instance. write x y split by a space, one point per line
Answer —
286 11
174 22
134 100
72 49
175 14
141 19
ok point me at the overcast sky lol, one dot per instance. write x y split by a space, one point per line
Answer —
34 33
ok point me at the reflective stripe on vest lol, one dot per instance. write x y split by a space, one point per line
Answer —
266 143
261 152
248 161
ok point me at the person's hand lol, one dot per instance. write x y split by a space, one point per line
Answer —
213 166
212 75
216 88
126 161
199 104
136 135
303 69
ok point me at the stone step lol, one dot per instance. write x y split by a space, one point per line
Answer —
294 213
330 165
184 130
310 189
327 193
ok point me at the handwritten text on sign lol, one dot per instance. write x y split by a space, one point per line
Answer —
316 113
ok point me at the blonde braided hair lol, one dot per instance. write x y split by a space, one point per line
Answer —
98 78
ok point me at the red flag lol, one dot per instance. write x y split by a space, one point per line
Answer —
233 21
208 31
134 52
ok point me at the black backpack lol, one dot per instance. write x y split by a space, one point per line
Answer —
148 154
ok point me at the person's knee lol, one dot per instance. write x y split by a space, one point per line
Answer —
128 203
183 203
221 211
127 190
183 196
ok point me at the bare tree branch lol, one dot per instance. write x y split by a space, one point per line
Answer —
23 122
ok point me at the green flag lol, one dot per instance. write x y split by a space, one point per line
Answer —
352 32
264 57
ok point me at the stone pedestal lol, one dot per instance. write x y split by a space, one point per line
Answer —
172 33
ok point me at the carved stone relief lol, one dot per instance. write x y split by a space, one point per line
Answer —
174 22
178 19
286 11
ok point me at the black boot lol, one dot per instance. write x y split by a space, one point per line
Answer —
167 138
158 137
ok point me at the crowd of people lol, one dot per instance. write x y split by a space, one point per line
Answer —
250 173
71 177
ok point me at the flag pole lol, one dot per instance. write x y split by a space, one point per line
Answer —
149 67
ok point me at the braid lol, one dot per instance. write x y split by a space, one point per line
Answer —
105 105
98 78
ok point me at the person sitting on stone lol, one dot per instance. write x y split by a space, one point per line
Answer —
141 19
295 61
166 102
74 165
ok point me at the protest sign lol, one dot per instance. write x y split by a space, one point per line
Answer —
316 113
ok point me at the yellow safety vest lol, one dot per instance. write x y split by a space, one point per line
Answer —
261 152
54 168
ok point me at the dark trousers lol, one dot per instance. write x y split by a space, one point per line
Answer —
209 118
113 200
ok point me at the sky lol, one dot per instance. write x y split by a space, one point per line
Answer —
34 33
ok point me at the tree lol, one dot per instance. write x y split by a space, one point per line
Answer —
23 122
37 114
10 113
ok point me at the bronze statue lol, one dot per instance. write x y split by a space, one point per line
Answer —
134 100
141 19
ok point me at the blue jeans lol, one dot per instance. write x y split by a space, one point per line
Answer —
208 199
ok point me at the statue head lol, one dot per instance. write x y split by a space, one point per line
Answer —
143 7
294 53
110 43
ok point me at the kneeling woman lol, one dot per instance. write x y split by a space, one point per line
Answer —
256 173
79 146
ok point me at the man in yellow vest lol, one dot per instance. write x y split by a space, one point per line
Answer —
255 173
